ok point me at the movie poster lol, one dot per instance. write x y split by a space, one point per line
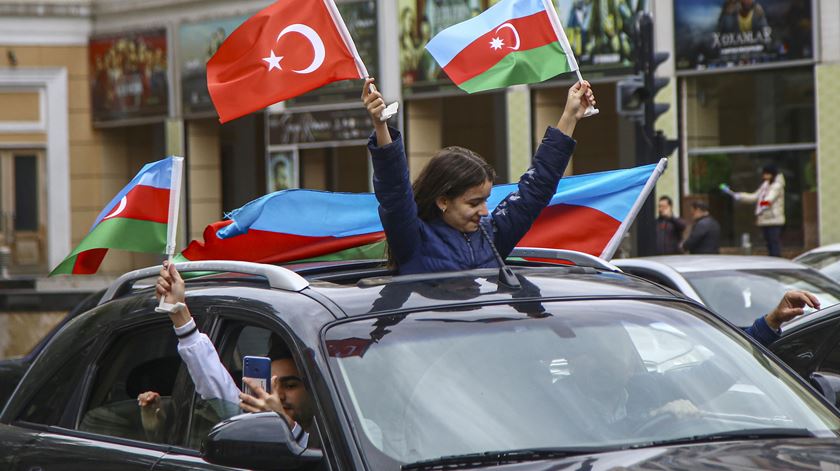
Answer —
730 33
198 42
601 32
128 76
420 21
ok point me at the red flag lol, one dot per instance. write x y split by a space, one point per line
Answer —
286 50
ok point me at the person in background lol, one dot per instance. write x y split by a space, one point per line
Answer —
769 201
705 231
669 228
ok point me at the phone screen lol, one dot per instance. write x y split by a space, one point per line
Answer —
259 369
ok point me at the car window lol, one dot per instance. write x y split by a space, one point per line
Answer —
49 404
236 340
140 360
584 374
741 296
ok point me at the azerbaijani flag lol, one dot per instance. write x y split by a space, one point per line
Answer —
512 42
587 213
134 220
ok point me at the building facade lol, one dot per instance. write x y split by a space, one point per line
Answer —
91 90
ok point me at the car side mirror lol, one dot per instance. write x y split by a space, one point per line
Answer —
260 441
828 385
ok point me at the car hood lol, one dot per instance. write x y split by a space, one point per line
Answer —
787 454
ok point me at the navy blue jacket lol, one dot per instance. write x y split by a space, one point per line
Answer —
431 246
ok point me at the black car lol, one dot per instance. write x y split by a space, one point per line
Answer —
576 368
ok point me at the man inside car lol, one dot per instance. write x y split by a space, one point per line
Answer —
289 397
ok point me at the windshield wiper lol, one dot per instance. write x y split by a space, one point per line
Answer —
744 434
502 457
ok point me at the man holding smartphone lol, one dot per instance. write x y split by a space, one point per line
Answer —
289 397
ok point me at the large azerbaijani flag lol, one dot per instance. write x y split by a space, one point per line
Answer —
135 220
513 42
588 213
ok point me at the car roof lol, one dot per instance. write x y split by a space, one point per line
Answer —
822 249
361 288
378 295
702 263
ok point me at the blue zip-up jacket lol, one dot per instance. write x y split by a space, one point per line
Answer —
431 246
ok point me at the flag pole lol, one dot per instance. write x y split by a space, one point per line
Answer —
172 221
567 48
613 244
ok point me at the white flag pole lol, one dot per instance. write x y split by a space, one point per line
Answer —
567 48
172 221
612 246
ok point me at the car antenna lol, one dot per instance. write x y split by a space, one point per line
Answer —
506 276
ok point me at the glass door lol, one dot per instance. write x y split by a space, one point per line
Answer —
23 210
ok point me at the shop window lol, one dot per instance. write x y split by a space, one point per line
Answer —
742 172
751 108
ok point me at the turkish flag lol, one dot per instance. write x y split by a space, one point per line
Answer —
286 50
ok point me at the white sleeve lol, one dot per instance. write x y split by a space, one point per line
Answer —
212 381
301 437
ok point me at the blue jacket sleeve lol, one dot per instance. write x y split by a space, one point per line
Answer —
391 184
762 332
514 215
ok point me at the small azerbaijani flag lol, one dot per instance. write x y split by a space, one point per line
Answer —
135 220
513 42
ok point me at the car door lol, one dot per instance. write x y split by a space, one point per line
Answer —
87 412
237 332
813 348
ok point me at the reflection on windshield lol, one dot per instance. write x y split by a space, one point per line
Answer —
741 296
592 373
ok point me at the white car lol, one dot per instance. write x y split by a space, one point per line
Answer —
825 259
740 288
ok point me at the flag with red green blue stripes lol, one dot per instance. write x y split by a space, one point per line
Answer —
134 220
513 42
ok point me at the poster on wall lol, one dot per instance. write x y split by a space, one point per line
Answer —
198 42
730 33
360 18
282 170
128 76
600 32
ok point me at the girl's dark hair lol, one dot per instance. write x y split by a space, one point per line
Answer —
450 173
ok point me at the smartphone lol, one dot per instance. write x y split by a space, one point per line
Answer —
259 369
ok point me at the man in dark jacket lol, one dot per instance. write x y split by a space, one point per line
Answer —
705 234
669 228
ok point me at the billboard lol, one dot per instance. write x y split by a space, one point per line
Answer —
198 42
128 76
730 33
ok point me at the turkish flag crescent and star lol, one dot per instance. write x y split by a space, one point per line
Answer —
285 50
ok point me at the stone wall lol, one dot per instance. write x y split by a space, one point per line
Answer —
20 331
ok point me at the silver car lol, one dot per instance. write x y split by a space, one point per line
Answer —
740 288
825 259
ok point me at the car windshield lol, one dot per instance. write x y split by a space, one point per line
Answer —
743 295
560 375
826 262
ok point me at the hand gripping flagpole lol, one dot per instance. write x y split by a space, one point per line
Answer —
613 244
567 49
172 224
